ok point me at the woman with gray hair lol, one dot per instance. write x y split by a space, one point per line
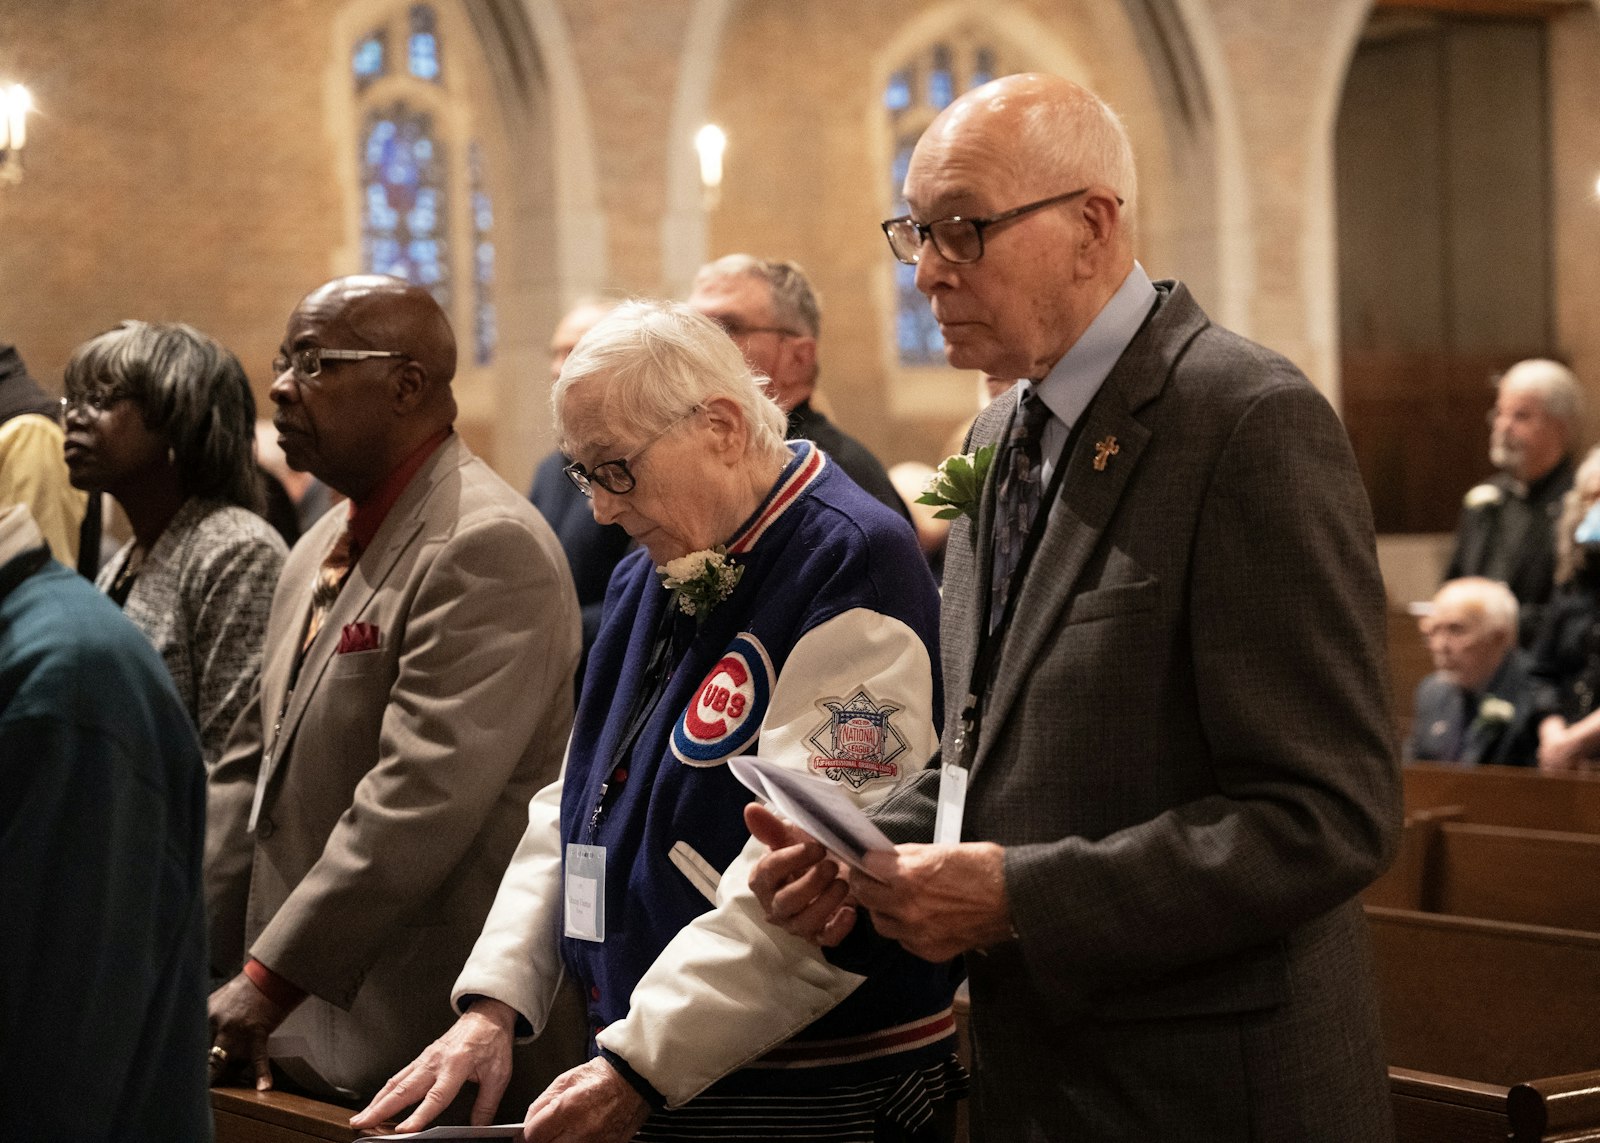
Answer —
775 609
161 418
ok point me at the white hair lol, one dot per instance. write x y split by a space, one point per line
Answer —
1553 383
1492 599
657 361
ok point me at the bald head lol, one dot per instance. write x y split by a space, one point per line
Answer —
394 314
579 320
359 417
1047 167
1044 131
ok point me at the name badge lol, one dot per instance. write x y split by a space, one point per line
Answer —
952 804
586 893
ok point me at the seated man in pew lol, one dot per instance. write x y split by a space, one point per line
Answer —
1476 706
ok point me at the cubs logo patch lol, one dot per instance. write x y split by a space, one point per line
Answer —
857 742
725 714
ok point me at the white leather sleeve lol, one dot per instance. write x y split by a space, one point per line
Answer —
517 957
730 987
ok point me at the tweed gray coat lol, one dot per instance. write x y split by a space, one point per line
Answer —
1186 751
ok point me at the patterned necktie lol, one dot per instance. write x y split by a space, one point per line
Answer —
331 575
1017 498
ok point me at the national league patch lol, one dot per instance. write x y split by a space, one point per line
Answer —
857 742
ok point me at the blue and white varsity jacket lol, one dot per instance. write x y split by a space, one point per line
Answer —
822 659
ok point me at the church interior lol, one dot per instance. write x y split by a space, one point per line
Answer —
1401 196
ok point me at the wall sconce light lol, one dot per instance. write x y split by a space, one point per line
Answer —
710 142
15 103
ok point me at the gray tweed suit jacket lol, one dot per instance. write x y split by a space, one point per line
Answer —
1186 751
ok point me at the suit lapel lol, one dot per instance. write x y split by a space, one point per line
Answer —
400 529
1088 499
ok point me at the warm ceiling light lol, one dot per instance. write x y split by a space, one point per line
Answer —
710 142
15 103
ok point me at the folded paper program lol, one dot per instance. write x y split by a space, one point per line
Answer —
820 808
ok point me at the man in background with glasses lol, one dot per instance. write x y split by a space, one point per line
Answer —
415 692
1167 766
772 314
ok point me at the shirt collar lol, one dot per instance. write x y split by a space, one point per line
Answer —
368 515
1074 380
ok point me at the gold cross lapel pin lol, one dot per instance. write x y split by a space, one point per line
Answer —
1103 452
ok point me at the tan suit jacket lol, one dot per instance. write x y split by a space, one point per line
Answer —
389 788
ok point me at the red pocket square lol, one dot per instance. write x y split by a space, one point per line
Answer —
358 637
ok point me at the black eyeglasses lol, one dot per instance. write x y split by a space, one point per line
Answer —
957 239
98 400
734 328
307 363
614 475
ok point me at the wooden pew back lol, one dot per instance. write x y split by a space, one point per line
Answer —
1487 1001
1507 795
1535 877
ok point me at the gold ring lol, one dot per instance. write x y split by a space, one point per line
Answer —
218 1056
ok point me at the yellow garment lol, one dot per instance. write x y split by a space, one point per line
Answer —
34 472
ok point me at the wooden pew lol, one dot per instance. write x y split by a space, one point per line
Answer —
1408 882
1438 1109
243 1115
1507 795
1489 1001
1492 1029
1500 873
1503 873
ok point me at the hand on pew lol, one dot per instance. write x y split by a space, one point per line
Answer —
242 1018
477 1048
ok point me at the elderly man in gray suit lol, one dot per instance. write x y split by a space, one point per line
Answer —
1167 765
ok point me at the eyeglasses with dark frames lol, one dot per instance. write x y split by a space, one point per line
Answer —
307 363
958 240
614 475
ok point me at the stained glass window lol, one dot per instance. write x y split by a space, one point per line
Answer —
485 331
368 61
403 176
941 84
957 64
897 95
423 44
982 68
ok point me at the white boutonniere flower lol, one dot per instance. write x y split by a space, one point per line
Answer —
957 484
700 580
1483 495
1495 710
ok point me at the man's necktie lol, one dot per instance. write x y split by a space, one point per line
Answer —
1017 497
331 575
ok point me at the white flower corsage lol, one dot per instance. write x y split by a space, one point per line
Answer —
1483 495
1493 710
957 484
700 580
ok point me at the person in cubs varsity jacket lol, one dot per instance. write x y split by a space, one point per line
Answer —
776 609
